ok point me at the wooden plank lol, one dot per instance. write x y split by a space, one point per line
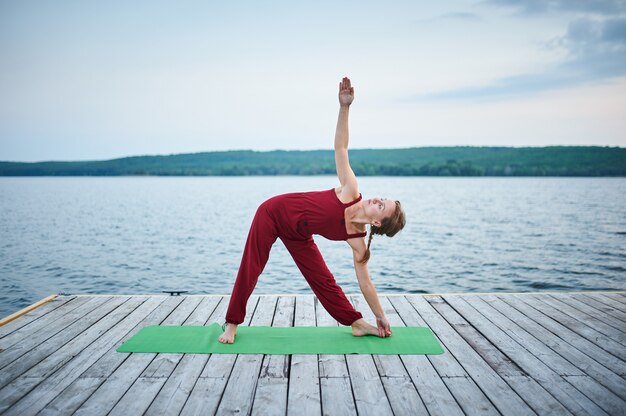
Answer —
270 397
108 394
509 338
589 320
466 392
85 350
584 308
389 366
22 342
587 347
106 316
606 309
207 392
577 326
239 392
617 305
575 356
405 397
620 297
111 361
304 396
34 315
99 387
524 394
445 364
543 364
145 388
24 390
507 358
67 401
426 373
51 348
172 397
496 389
367 387
335 385
612 404
380 383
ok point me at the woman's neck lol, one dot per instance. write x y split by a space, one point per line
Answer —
355 214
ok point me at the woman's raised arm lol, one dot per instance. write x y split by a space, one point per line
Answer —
344 171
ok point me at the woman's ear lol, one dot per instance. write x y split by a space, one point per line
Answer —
376 223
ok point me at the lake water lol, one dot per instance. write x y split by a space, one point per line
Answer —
138 235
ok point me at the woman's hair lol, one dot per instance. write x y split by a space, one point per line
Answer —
389 226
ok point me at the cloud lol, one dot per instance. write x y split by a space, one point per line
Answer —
602 7
586 30
596 47
595 50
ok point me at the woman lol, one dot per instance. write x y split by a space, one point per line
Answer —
337 214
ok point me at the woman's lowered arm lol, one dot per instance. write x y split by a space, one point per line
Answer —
368 289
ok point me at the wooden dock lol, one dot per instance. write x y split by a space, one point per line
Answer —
508 354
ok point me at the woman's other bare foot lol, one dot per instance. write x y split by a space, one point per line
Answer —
228 337
361 328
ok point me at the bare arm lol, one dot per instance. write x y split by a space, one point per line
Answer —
344 171
367 287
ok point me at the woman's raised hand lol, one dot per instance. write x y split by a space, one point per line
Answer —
346 92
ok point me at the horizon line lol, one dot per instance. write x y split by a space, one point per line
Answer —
301 150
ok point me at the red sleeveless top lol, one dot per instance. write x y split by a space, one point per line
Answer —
302 214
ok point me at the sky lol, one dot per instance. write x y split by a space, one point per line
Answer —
92 80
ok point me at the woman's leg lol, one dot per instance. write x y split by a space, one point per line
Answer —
261 237
310 262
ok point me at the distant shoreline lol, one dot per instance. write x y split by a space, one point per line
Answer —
553 161
309 176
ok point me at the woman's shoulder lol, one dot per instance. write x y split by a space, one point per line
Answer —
346 193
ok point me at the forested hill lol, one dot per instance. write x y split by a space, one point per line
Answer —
417 161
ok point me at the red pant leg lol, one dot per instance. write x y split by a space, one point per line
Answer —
310 262
261 237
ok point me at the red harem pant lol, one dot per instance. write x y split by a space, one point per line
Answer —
261 237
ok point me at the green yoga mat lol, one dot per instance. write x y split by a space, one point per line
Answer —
280 340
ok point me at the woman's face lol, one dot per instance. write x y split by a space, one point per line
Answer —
378 208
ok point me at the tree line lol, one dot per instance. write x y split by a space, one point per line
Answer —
417 161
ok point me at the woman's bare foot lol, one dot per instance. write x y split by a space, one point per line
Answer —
361 328
228 337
